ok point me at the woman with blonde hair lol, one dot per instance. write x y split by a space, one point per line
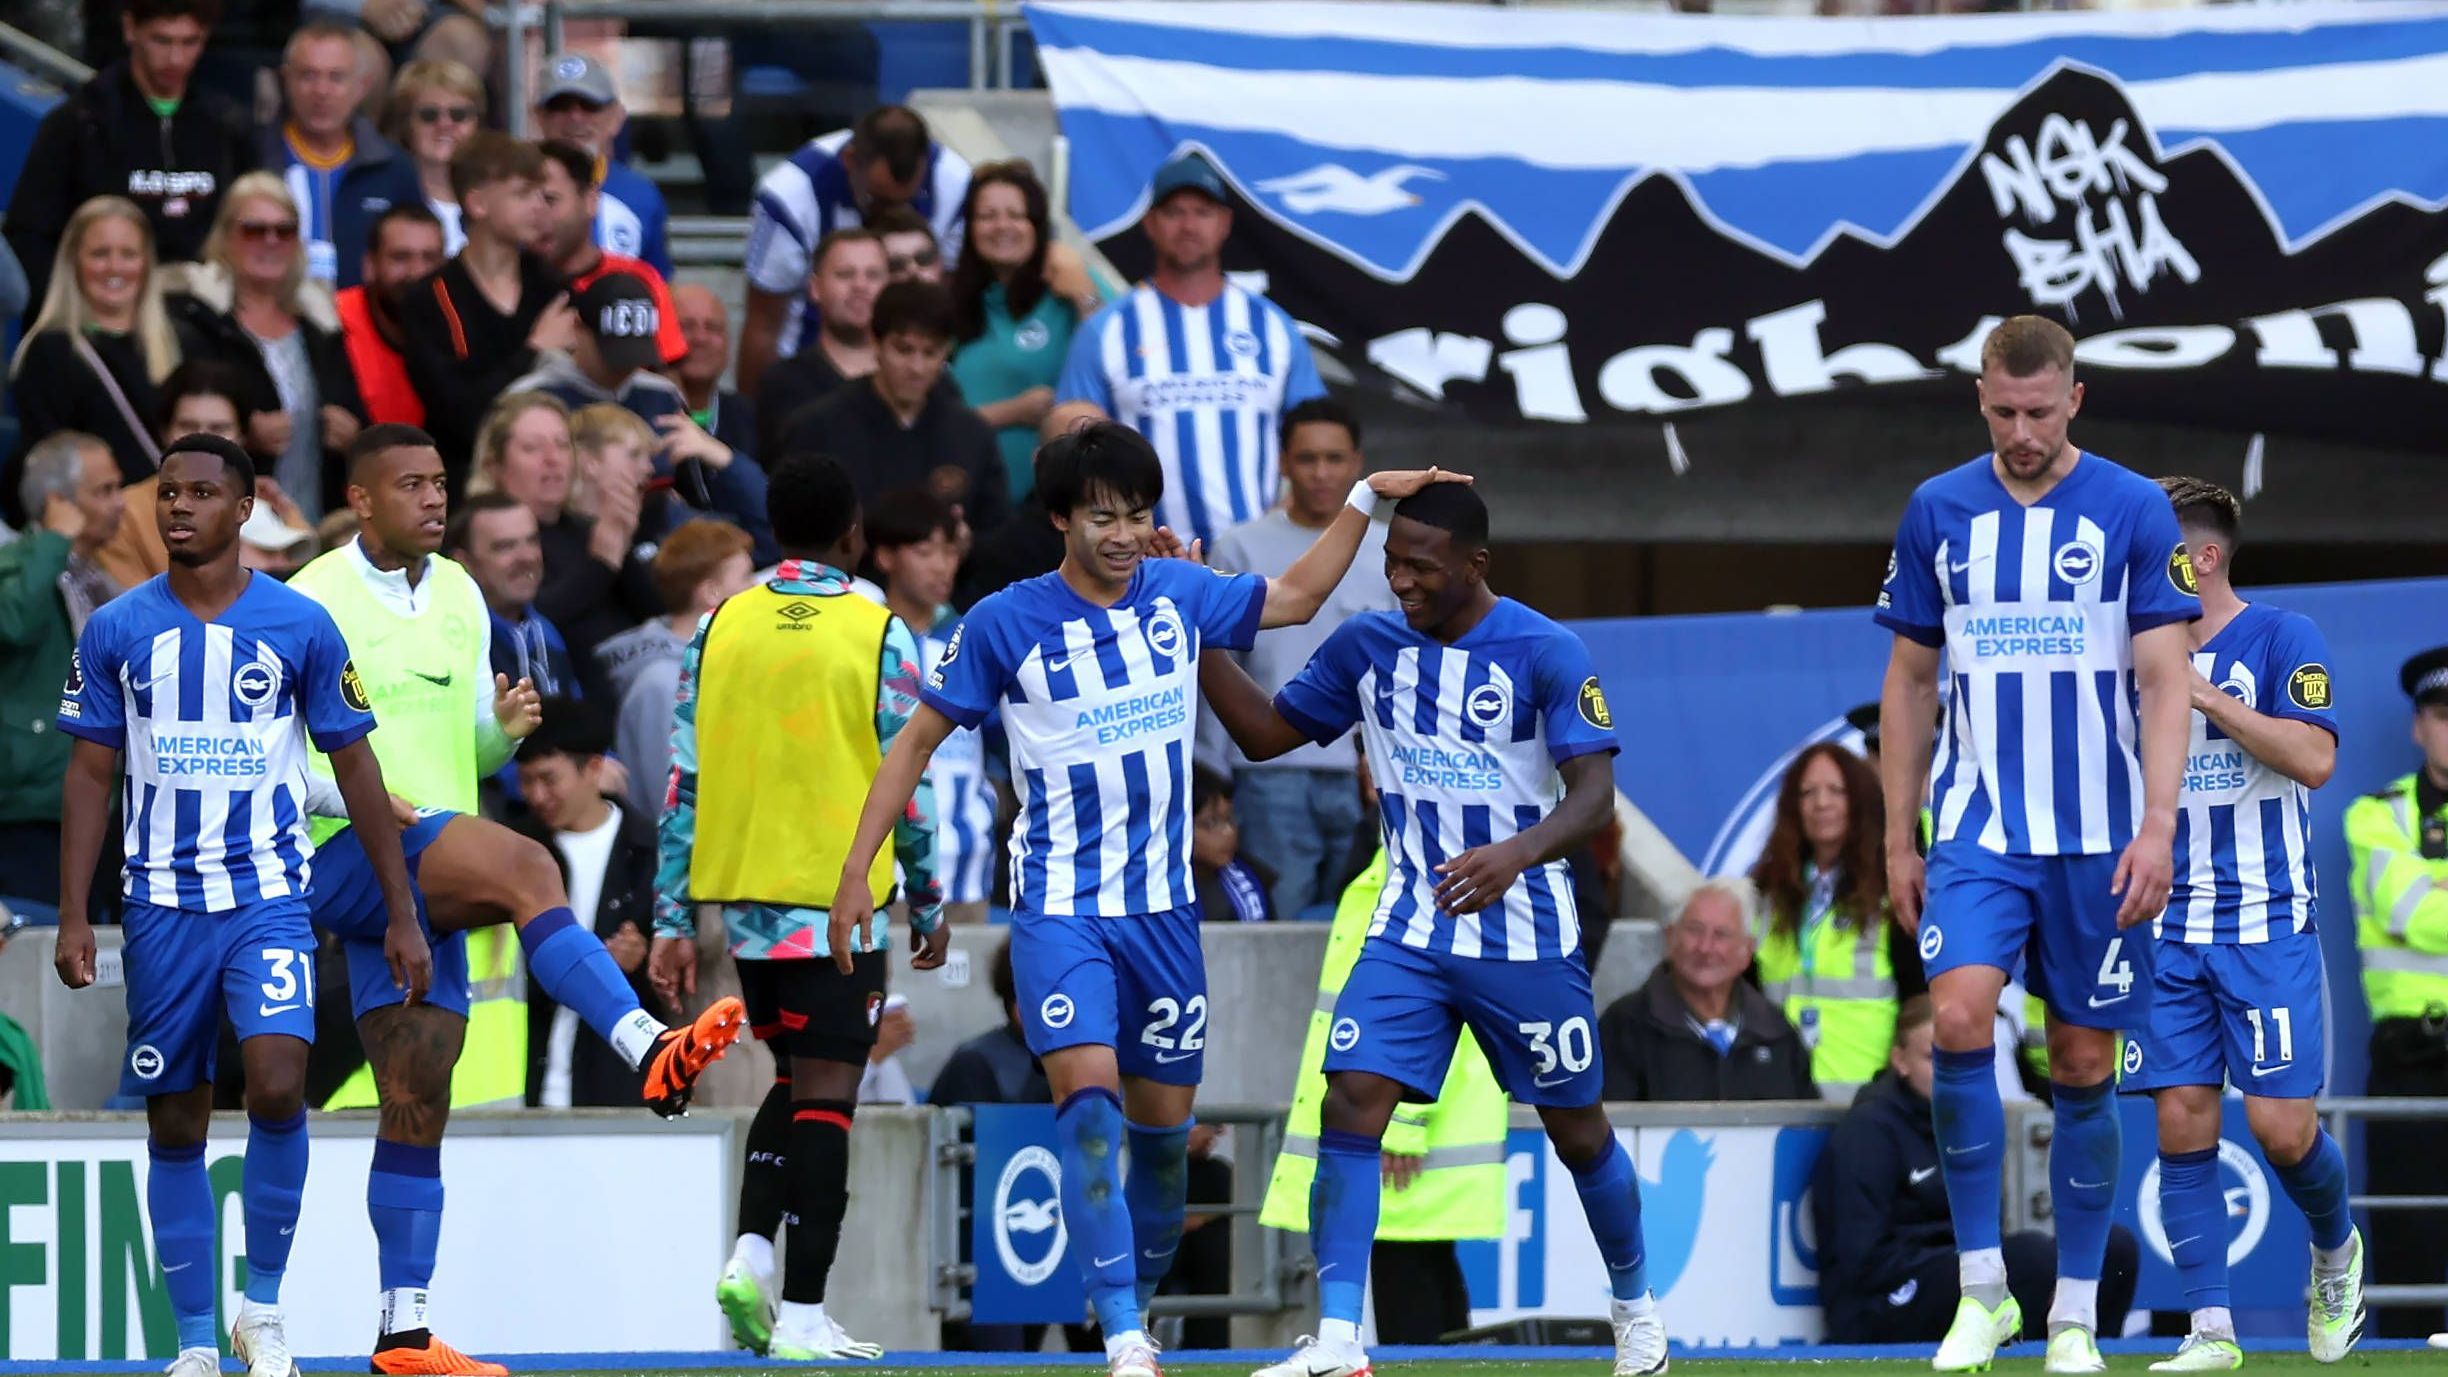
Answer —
432 108
100 345
251 305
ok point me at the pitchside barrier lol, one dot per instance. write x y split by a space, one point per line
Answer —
594 1231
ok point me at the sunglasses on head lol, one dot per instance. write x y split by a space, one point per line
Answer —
438 114
276 231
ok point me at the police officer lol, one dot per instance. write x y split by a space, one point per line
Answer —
2398 838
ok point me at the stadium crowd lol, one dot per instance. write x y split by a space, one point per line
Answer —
379 254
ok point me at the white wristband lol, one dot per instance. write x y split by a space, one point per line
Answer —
1362 498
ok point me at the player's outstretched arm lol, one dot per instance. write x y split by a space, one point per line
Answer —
2163 672
85 800
896 782
1480 876
2300 750
1908 716
1296 597
360 779
1247 714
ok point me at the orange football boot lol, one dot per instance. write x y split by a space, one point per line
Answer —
682 1054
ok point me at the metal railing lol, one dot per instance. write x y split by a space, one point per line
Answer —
26 50
2341 1114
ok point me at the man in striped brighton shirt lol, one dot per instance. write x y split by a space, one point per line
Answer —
2237 983
1490 742
1093 667
2057 587
1196 363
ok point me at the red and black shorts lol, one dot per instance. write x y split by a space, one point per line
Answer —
805 1006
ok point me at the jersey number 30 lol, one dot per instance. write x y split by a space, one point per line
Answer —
1569 1045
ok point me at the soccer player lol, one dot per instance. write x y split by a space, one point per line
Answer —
2237 985
1490 741
420 629
790 695
2057 586
1091 666
212 680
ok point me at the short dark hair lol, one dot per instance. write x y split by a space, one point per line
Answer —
1100 455
1915 1012
914 308
1206 786
233 456
204 12
2020 346
379 439
488 156
899 220
1320 411
856 234
2203 505
401 212
812 503
463 521
908 516
201 377
1454 508
571 727
576 161
894 135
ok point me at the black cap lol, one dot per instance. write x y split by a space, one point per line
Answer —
619 309
2425 677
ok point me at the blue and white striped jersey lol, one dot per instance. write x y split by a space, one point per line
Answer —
2036 608
2243 830
1099 704
1463 741
1205 385
808 195
964 800
213 719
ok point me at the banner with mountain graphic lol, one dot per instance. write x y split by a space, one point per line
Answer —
1560 216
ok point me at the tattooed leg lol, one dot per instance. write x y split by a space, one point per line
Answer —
412 1050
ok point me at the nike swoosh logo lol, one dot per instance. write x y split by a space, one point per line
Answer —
1921 1174
1163 1060
2085 1185
1153 1255
2260 1071
2099 1003
2182 1242
1054 666
1966 566
1110 1261
176 1266
268 1010
1544 1083
437 680
1958 1152
145 685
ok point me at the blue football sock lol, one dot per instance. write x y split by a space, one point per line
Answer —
572 965
178 1196
404 1201
1088 1130
275 1180
2193 1214
2317 1185
1156 1188
1971 1124
1610 1197
1343 1220
2083 1160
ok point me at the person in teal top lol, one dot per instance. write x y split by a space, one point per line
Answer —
1019 297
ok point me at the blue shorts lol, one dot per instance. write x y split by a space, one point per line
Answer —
1402 1009
184 967
2051 917
1136 984
348 904
2230 1013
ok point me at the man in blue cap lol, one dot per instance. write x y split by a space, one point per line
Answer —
1198 364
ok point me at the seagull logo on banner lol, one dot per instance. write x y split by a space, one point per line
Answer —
1332 186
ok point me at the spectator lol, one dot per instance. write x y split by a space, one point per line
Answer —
200 397
100 344
832 184
1697 1030
251 304
886 1081
1024 546
49 585
615 352
913 549
578 104
705 328
595 582
911 253
413 33
403 248
479 322
1887 1271
1013 322
1231 889
494 537
606 851
848 276
135 129
571 197
1234 392
699 565
275 538
432 108
330 156
614 448
1833 959
1300 810
899 429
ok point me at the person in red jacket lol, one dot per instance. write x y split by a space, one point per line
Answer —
404 247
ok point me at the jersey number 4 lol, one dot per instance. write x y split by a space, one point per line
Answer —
2115 969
